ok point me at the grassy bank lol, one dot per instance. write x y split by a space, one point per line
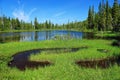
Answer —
107 34
64 67
45 30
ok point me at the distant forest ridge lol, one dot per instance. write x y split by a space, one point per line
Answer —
106 19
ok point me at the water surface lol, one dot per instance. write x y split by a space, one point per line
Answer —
42 35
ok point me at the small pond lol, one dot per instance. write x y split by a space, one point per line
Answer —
43 35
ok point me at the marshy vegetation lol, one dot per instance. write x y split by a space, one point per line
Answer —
64 64
58 53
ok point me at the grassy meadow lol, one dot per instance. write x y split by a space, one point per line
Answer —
64 67
84 42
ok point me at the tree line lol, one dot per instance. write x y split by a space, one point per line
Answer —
7 23
106 19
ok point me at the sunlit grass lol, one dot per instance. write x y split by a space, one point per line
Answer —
107 34
64 67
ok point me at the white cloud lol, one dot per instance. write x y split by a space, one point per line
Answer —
21 14
59 14
32 10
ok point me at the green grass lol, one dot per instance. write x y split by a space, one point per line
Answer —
64 67
32 30
107 34
44 30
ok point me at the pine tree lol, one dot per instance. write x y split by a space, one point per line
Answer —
119 19
36 24
31 25
91 18
118 24
13 24
6 22
115 15
96 21
102 16
49 25
108 17
46 24
18 27
0 23
22 24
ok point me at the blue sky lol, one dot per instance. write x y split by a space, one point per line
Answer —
58 11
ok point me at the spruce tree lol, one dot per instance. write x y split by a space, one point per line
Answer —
118 27
115 15
108 17
46 24
0 23
18 27
102 17
35 23
91 18
96 21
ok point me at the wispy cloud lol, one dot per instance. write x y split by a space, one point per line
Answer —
59 14
21 14
31 11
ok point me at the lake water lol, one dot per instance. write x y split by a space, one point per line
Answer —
42 35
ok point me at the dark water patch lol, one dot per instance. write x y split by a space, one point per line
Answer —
22 65
116 43
21 59
100 63
113 37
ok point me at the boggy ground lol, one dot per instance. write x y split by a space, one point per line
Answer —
64 67
101 63
21 59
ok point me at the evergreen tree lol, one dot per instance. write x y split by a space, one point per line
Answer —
68 25
22 24
102 16
115 15
49 25
18 27
118 27
108 17
96 21
91 18
6 22
36 24
31 25
46 25
13 22
0 23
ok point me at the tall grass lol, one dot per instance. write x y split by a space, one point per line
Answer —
64 67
